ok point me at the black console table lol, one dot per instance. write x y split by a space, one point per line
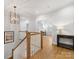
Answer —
66 41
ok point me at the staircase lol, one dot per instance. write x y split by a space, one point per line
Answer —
28 46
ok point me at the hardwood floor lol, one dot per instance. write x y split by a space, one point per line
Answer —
53 52
50 51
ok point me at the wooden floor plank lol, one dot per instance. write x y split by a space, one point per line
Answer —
50 51
53 52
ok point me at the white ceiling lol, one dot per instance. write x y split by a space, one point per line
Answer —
58 12
60 17
37 6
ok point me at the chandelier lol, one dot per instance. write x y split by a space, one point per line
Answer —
13 16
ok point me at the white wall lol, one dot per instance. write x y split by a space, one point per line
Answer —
68 29
10 27
24 23
52 31
63 17
48 28
32 26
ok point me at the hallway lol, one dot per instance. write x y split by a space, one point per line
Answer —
53 52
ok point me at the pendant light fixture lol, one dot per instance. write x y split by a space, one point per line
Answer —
13 15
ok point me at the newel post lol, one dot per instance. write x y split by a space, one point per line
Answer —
28 44
41 39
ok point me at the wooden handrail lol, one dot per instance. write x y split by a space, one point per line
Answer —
22 31
19 43
34 33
